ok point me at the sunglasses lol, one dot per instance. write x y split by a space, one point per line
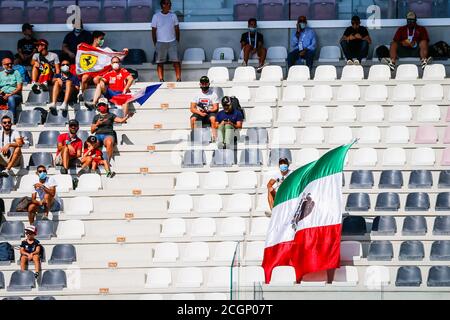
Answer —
73 126
65 64
40 171
8 64
6 123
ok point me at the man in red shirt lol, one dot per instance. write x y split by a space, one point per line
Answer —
115 82
410 40
69 147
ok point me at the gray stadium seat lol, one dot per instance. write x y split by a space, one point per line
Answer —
12 212
21 281
440 250
385 225
11 230
45 229
117 111
441 225
48 139
444 179
85 117
40 99
276 154
57 119
420 179
6 184
2 280
414 225
387 201
41 158
135 56
28 138
193 159
12 298
200 136
354 225
417 201
88 94
256 136
357 202
251 157
53 280
361 179
223 158
380 250
83 135
6 112
443 201
391 179
411 250
408 276
63 254
44 298
29 118
439 276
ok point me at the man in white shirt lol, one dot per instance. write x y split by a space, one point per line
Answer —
204 106
277 180
166 36
44 195
11 144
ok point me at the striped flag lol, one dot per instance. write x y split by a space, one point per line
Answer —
94 60
140 96
305 228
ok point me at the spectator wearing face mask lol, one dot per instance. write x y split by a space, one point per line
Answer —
10 86
65 87
93 158
204 106
45 65
44 194
69 147
303 43
355 42
115 82
73 39
228 121
253 42
277 180
26 47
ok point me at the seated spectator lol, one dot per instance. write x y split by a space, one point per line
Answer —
10 87
355 42
69 147
93 158
228 120
44 196
65 87
277 180
30 250
45 65
73 39
115 82
103 127
304 43
11 147
410 40
204 106
26 47
22 70
253 42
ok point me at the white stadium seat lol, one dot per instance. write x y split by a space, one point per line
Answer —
244 74
173 227
268 94
79 206
289 114
191 277
316 114
70 230
293 93
394 157
435 71
218 277
89 182
180 203
259 226
241 92
312 135
216 180
429 113
224 251
371 113
27 182
271 73
158 278
260 114
432 92
239 202
407 72
404 92
344 113
400 113
397 134
340 135
245 179
218 74
227 52
194 56
321 93
283 276
298 73
379 72
423 156
209 203
348 92
351 251
325 73
352 73
254 251
166 252
366 157
376 92
250 275
64 182
203 227
232 226
276 54
195 252
283 135
346 276
329 54
306 155
376 276
369 134
187 181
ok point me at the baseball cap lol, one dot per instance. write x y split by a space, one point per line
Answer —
91 139
31 229
27 26
204 79
411 15
226 101
42 41
102 101
74 122
283 160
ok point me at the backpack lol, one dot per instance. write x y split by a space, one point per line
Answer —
22 205
6 252
382 52
440 50
237 106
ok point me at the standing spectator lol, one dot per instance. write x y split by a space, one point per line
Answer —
30 250
93 158
45 191
166 36
304 43
277 180
253 42
11 147
72 40
115 82
69 147
103 127
410 40
45 65
228 120
65 87
26 47
204 106
10 87
355 42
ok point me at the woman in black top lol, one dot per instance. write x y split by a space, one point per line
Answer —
30 250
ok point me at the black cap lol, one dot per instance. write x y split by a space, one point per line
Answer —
74 122
226 101
283 160
27 26
204 79
91 139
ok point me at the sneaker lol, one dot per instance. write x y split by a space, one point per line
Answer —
178 80
4 173
89 104
244 64
425 62
349 62
44 86
80 97
36 88
64 106
161 80
51 106
63 171
356 62
110 174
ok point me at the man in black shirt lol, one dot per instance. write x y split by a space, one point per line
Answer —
252 42
26 46
355 42
72 40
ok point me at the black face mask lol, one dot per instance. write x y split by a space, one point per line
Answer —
205 88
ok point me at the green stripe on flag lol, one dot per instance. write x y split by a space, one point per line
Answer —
330 163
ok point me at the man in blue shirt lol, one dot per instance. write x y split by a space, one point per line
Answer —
303 43
227 121
10 86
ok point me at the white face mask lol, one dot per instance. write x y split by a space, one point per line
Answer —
65 69
116 66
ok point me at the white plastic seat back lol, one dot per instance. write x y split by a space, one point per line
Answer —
397 134
353 73
379 72
218 74
407 72
283 276
157 278
321 93
241 92
266 94
316 114
276 54
344 113
376 276
173 227
346 276
260 114
400 113
259 226
348 92
325 73
435 71
306 155
239 202
216 180
283 135
376 92
228 55
252 274
209 203
194 56
232 226
340 135
329 54
70 230
79 206
89 182
224 251
369 134
289 114
187 181
166 252
203 227
180 203
64 182
423 156
196 251
27 182
293 93
298 73
271 73
432 92
404 92
191 277
394 157
428 113
254 251
351 250
244 180
371 113
218 277
365 157
244 74
312 135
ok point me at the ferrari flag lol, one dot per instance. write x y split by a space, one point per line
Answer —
95 60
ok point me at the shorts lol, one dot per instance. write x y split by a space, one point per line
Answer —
205 119
73 161
109 94
404 52
164 49
102 136
4 159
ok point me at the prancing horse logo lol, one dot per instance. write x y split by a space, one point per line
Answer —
87 61
304 209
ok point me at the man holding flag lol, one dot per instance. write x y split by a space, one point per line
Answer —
305 228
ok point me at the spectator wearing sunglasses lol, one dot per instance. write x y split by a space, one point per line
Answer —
44 194
69 147
65 87
10 86
11 147
30 250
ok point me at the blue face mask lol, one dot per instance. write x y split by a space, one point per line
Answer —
284 167
252 29
302 25
42 175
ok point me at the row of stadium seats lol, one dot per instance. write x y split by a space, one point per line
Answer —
53 280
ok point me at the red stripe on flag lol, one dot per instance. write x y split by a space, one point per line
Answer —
312 250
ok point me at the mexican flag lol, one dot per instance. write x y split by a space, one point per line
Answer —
305 228
94 60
